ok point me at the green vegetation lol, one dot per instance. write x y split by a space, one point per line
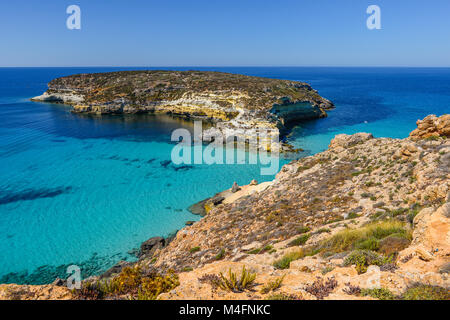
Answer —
300 240
364 258
282 296
232 283
326 270
220 255
132 282
368 244
413 213
303 229
286 260
194 249
378 293
426 292
146 86
272 285
363 237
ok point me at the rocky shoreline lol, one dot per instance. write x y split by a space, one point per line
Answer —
237 105
369 218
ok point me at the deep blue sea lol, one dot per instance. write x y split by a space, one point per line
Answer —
87 190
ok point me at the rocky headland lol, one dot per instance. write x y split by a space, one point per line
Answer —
238 105
369 218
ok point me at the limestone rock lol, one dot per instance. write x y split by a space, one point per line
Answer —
345 140
432 126
148 247
28 292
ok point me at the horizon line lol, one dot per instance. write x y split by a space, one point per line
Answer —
222 66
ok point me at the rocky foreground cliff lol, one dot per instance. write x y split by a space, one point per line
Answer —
238 105
369 218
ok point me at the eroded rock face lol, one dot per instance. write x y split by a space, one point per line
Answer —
432 126
345 140
430 248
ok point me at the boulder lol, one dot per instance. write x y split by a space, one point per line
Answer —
432 126
345 140
148 247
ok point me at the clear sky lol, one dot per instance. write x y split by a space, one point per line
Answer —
225 33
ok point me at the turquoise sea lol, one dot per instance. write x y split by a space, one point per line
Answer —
87 190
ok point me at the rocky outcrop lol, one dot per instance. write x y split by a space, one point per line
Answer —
151 245
358 180
24 292
241 106
432 126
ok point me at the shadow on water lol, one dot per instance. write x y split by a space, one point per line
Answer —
31 194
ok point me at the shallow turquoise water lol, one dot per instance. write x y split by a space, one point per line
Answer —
88 190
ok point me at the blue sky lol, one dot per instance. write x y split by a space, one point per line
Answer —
225 33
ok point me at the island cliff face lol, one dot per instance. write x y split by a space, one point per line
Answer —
369 218
239 105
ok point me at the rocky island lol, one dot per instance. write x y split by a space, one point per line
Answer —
238 105
369 218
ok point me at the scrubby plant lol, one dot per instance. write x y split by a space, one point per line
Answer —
272 285
364 258
378 293
415 209
426 292
368 244
352 290
302 229
254 251
300 240
152 287
282 296
133 282
352 215
286 260
325 270
194 250
232 283
349 239
220 255
321 288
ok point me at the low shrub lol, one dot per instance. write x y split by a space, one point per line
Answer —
272 285
133 282
303 229
320 288
426 292
350 238
300 240
364 258
368 244
282 296
286 260
378 293
194 249
232 283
